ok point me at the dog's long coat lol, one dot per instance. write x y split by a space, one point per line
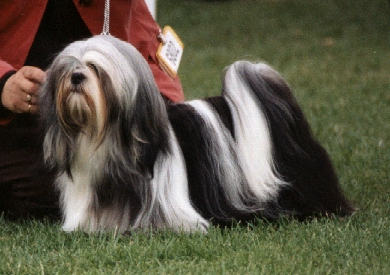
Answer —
126 159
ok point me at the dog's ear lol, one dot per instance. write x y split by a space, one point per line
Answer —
150 126
137 113
56 146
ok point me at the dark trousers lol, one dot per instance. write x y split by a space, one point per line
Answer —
26 185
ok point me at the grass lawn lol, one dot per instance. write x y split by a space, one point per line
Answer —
336 56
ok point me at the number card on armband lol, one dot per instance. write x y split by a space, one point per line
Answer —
170 51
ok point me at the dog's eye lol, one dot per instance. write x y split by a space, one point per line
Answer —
94 68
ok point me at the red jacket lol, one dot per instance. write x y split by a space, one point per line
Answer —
130 21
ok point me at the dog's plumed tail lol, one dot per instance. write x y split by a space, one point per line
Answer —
298 159
250 152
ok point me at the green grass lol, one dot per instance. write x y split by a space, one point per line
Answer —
335 54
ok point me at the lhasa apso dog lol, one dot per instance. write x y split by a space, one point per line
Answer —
126 159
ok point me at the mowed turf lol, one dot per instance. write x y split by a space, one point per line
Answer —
336 56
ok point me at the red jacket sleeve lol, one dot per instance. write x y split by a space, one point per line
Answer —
5 69
144 36
131 21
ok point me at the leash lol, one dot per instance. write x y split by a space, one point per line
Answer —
106 24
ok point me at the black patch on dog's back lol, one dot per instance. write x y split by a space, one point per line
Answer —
222 108
205 186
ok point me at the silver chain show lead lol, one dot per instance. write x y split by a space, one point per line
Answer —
106 24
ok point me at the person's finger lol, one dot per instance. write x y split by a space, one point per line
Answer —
28 86
28 108
30 98
34 74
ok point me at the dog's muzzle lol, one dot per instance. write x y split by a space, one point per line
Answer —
77 78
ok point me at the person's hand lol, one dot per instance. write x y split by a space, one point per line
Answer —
20 91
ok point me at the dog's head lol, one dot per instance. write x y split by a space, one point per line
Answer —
100 88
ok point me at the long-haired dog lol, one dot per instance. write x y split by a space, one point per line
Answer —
127 160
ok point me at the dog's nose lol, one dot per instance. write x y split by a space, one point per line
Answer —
77 78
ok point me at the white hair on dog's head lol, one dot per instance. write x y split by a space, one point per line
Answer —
111 80
126 159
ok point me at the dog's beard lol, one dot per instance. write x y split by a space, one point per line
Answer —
81 107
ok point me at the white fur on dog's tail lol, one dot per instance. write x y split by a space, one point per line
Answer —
252 133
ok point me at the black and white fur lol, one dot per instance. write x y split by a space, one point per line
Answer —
128 160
